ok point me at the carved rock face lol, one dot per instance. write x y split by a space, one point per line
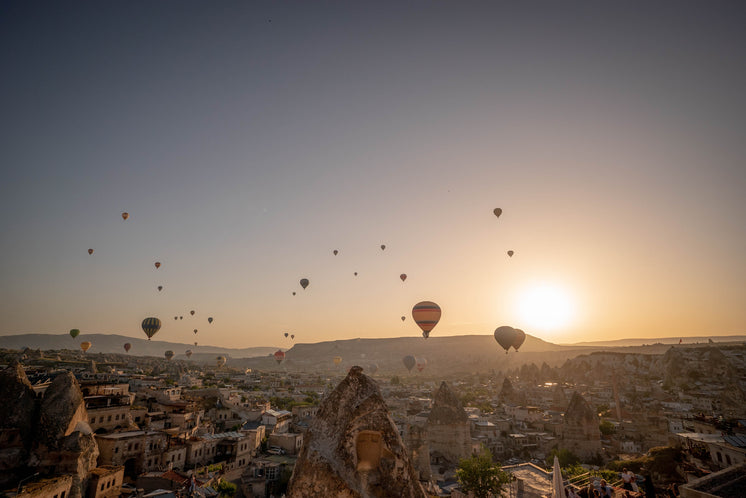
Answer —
353 447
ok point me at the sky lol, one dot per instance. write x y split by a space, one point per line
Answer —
248 140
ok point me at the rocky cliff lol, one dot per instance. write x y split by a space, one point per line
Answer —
448 427
53 436
353 448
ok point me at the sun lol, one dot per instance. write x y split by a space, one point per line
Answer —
546 306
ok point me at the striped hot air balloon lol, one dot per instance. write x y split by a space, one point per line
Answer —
426 314
150 326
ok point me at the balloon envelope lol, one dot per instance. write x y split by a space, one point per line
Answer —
335 252
383 246
279 356
426 314
292 336
497 212
220 361
337 360
403 318
127 346
520 336
195 331
85 346
169 354
304 282
150 326
191 312
373 368
188 353
125 215
74 333
209 320
510 253
90 251
409 362
505 336
160 288
286 334
157 264
421 363
403 277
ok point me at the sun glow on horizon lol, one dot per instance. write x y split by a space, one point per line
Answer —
546 306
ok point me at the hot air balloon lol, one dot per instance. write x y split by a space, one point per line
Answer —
505 336
373 368
127 346
304 282
293 292
85 346
383 246
195 331
426 314
168 355
337 360
181 317
150 326
520 336
195 343
421 364
335 252
220 361
356 274
125 215
74 333
510 253
90 251
292 336
403 318
188 353
409 362
160 288
497 212
209 320
279 356
157 264
176 318
403 277
191 312
286 334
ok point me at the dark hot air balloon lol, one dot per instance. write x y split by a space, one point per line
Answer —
279 356
74 333
168 355
510 253
191 312
292 336
176 318
497 212
335 252
403 277
157 264
150 326
160 288
505 336
220 361
181 317
286 334
403 318
304 282
383 246
409 362
520 336
356 274
125 215
127 346
195 331
188 353
209 320
426 314
90 251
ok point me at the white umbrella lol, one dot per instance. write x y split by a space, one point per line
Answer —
558 490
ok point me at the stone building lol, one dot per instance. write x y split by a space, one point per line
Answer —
105 482
580 430
448 428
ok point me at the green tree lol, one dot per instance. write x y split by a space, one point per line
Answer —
480 475
607 428
227 488
566 458
395 381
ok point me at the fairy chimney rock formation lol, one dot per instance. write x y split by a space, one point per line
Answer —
448 428
353 448
509 396
581 433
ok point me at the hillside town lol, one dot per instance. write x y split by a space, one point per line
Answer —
110 425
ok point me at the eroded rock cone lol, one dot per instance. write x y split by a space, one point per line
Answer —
353 449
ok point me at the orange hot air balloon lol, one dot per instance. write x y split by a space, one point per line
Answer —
426 314
403 277
279 356
497 212
90 251
85 346
337 360
127 346
157 264
125 215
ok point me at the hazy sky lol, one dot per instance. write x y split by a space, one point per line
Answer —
247 140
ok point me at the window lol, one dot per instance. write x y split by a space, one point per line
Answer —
102 486
116 450
109 419
727 458
720 457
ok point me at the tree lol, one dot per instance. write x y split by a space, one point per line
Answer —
480 475
606 428
227 488
395 381
566 457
